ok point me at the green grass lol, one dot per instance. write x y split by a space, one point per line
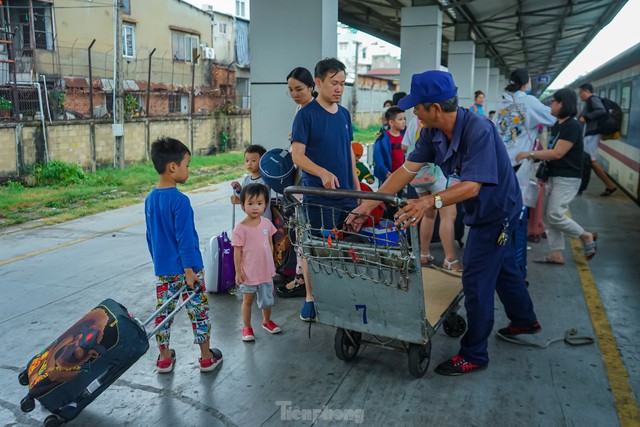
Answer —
366 136
79 193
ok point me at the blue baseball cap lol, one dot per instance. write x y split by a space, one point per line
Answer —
430 86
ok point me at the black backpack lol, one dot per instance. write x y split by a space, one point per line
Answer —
611 122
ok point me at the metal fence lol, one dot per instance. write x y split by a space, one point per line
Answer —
369 104
73 61
173 87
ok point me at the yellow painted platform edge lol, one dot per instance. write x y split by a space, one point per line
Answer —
626 404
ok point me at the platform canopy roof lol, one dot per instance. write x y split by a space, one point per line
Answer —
543 36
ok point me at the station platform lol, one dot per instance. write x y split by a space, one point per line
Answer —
52 275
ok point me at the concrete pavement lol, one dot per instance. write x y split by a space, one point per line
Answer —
52 275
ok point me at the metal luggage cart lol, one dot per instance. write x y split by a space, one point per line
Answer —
372 288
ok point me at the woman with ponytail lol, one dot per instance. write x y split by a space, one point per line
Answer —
519 114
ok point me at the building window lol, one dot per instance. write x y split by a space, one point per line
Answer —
625 101
42 26
222 27
240 8
183 46
128 41
174 103
126 7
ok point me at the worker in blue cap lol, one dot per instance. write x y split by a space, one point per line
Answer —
471 154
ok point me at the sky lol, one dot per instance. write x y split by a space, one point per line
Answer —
621 34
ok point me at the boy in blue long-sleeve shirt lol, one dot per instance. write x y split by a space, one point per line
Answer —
174 247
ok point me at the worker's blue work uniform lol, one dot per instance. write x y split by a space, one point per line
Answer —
478 154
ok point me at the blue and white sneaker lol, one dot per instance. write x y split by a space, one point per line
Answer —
308 312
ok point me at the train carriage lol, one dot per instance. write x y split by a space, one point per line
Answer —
619 80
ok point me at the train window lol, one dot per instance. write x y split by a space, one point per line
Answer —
625 96
603 93
625 101
612 94
624 126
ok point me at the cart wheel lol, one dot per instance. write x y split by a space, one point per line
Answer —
454 325
419 357
23 378
52 421
27 404
347 344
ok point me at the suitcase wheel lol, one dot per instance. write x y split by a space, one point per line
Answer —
27 404
53 421
23 378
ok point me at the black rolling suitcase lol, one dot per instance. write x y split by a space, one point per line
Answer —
86 359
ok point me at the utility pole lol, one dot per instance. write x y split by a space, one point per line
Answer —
118 100
354 98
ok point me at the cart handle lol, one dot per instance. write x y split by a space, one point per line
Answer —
327 192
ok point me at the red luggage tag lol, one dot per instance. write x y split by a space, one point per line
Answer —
335 233
354 256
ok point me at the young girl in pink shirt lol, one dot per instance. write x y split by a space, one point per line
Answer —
253 259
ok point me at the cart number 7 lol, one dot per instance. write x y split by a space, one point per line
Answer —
364 312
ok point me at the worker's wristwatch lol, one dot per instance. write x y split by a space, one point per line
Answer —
531 155
437 201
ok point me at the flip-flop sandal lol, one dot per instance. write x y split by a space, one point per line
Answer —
547 260
608 191
426 259
448 265
591 248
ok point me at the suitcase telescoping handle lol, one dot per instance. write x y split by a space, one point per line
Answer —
236 191
366 195
185 288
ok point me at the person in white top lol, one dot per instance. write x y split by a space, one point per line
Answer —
447 213
519 114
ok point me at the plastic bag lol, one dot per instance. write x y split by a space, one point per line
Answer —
426 176
528 183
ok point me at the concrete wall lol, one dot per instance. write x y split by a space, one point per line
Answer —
8 149
67 143
71 141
